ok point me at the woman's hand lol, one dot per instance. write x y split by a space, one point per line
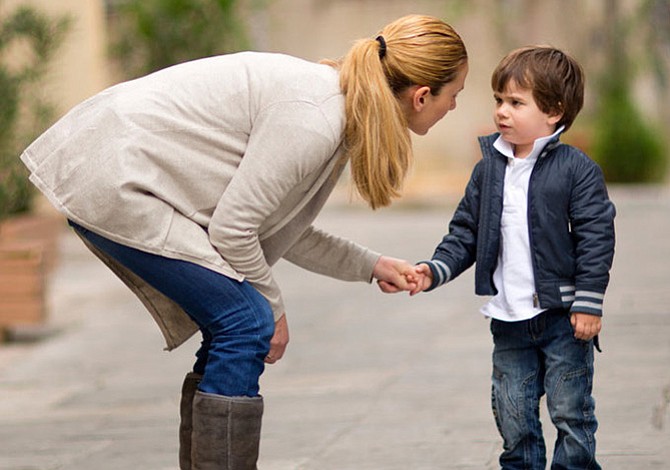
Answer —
279 341
394 275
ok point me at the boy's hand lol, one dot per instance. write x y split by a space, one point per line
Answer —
586 326
422 276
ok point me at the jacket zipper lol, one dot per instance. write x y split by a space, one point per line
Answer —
536 297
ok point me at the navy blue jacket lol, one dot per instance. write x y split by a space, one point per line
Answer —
570 220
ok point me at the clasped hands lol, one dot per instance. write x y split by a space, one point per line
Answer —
395 275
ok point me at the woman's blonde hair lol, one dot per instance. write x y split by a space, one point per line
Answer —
413 50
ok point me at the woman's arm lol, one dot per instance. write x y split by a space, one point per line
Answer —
288 143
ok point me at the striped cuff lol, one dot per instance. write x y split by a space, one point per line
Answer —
588 302
567 295
441 273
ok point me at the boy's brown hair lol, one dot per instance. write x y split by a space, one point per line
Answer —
555 79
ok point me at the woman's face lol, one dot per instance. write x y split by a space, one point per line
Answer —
423 109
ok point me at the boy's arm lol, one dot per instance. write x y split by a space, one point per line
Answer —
592 222
457 250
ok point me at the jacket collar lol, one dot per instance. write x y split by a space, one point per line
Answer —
488 150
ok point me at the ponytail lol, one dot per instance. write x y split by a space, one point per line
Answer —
414 50
376 135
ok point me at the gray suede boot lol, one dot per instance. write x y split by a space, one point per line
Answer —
226 432
188 390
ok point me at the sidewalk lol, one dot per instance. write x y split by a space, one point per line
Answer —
370 381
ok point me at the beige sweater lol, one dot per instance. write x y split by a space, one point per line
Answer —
223 161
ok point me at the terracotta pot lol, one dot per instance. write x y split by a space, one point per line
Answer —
39 229
28 251
22 284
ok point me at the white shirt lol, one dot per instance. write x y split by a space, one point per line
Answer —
513 276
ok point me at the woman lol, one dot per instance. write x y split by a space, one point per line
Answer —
191 182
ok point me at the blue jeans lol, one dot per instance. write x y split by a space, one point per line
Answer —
235 320
531 358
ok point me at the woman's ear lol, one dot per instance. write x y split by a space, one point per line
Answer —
419 97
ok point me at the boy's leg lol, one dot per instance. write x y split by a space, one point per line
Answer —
516 390
568 382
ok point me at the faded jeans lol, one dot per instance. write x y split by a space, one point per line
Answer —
532 358
235 319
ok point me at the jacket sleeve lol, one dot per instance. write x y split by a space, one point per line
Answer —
592 223
458 249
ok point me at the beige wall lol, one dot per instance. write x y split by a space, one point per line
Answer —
80 67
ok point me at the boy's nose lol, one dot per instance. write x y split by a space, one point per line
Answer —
501 110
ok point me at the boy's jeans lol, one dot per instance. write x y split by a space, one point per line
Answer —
531 358
235 319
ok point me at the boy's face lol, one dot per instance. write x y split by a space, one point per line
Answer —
519 120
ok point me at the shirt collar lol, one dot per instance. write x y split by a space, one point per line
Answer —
507 149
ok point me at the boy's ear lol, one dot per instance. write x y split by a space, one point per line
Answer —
555 115
555 118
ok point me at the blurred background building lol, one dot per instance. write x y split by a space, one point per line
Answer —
627 39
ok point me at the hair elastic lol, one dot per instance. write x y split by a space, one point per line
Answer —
382 46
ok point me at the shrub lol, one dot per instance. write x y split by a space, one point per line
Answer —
23 113
627 148
154 34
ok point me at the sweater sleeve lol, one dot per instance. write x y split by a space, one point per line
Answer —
288 141
326 254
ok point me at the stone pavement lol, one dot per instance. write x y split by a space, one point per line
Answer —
370 381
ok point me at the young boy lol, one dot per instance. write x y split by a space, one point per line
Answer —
537 220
